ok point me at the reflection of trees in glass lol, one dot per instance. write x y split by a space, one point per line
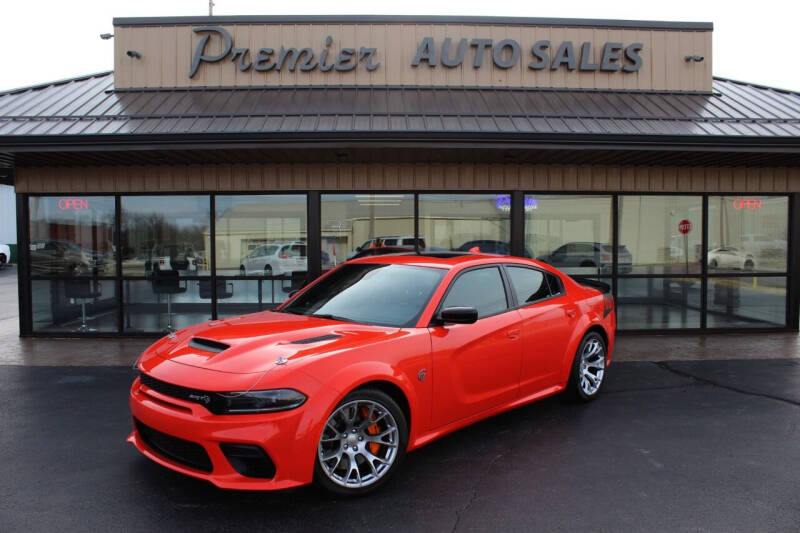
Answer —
143 231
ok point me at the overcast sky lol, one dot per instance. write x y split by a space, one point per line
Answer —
43 41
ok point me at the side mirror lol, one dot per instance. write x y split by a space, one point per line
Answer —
459 315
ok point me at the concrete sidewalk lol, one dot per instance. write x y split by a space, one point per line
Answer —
123 352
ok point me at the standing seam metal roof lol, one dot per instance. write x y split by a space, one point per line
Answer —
90 106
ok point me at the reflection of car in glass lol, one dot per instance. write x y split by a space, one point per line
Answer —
380 356
589 255
404 242
488 246
730 257
275 259
369 252
5 255
49 257
174 257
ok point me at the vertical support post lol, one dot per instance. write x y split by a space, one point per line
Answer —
118 260
518 223
212 261
314 233
793 281
614 243
416 223
704 265
24 289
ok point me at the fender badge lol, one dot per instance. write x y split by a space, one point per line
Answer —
281 361
421 375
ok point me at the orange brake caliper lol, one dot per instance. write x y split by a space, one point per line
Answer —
374 447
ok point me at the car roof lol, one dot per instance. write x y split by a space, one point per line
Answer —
446 260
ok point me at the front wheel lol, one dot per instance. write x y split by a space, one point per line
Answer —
588 368
362 444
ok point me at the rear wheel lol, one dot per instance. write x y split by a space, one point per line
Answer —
362 444
588 368
268 270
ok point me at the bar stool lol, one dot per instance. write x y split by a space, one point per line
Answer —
168 282
83 289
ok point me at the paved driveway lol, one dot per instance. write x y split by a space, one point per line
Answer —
682 446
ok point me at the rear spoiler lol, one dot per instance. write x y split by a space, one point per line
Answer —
605 288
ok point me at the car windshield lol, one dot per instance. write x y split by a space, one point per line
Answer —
383 295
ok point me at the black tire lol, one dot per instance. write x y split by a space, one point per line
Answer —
748 265
713 263
588 264
268 270
242 271
575 390
321 478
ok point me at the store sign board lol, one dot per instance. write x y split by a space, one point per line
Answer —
481 52
251 54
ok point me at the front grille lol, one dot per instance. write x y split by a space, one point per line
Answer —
178 450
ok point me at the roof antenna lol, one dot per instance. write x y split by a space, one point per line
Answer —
210 8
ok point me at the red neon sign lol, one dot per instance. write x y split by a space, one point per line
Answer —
750 204
73 204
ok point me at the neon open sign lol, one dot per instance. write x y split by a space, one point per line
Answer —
73 204
746 203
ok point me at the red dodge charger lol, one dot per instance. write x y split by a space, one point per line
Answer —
377 357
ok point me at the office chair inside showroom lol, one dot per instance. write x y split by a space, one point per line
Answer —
82 290
168 282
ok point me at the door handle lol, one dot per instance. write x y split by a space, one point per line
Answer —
571 313
513 333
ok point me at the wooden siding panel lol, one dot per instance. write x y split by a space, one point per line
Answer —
405 177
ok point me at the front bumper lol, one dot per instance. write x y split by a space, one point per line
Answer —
281 435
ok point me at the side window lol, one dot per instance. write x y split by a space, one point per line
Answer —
529 285
480 288
556 287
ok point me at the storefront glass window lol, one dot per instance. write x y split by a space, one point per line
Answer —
660 234
165 233
746 302
79 305
658 303
72 236
464 222
570 232
165 303
747 233
261 235
355 223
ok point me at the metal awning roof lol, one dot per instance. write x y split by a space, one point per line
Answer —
88 113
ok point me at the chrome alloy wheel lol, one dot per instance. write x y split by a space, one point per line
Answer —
359 444
592 366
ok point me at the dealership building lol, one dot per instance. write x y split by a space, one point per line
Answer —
227 159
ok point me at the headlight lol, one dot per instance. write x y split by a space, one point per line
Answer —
259 401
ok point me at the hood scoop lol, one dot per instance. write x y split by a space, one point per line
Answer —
208 345
311 340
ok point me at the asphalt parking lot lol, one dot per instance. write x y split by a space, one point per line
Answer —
678 446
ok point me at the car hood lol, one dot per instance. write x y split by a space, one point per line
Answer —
256 343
